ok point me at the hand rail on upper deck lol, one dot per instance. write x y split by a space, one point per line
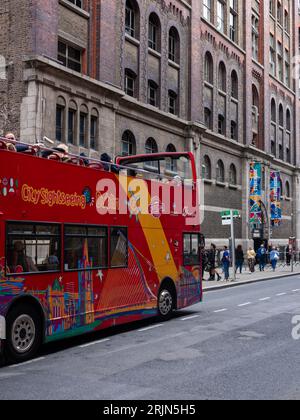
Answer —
38 149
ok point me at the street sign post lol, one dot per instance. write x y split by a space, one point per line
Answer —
228 218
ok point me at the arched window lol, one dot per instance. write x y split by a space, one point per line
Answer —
273 111
132 19
128 144
130 83
173 102
174 45
171 148
234 85
288 189
281 117
94 131
209 68
288 120
255 97
207 168
222 82
233 175
72 122
153 94
208 120
220 171
60 119
154 32
151 146
83 125
171 165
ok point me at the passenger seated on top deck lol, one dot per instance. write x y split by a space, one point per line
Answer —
61 151
16 147
20 259
106 158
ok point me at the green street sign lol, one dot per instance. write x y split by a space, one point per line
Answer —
227 214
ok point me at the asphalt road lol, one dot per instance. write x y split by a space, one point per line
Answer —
236 345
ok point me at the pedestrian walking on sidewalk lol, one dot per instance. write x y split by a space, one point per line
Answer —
274 258
239 258
251 255
288 254
226 263
261 256
212 263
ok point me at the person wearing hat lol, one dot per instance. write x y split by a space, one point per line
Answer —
61 151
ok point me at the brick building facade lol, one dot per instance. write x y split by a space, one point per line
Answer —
129 76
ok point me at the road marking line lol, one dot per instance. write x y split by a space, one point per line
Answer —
265 299
150 328
296 290
30 362
281 294
94 343
190 317
220 310
245 304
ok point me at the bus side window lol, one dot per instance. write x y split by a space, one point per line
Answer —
191 249
119 247
32 248
85 247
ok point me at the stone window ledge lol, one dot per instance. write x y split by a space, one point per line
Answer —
233 187
221 184
132 40
208 181
154 53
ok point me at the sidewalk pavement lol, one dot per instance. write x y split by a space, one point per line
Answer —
247 278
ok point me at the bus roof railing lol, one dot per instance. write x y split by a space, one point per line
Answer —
40 148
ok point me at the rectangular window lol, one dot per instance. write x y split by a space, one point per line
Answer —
207 10
191 251
86 248
118 247
221 16
33 248
77 3
70 57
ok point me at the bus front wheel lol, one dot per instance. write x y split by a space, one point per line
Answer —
24 333
166 303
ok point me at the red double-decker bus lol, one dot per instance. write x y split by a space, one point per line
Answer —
86 245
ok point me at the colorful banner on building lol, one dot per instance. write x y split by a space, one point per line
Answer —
275 198
255 216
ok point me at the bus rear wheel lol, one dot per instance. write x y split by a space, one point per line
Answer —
166 303
24 333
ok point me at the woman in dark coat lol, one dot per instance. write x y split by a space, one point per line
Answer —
212 263
239 258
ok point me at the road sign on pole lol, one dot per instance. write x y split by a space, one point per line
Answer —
228 218
233 246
